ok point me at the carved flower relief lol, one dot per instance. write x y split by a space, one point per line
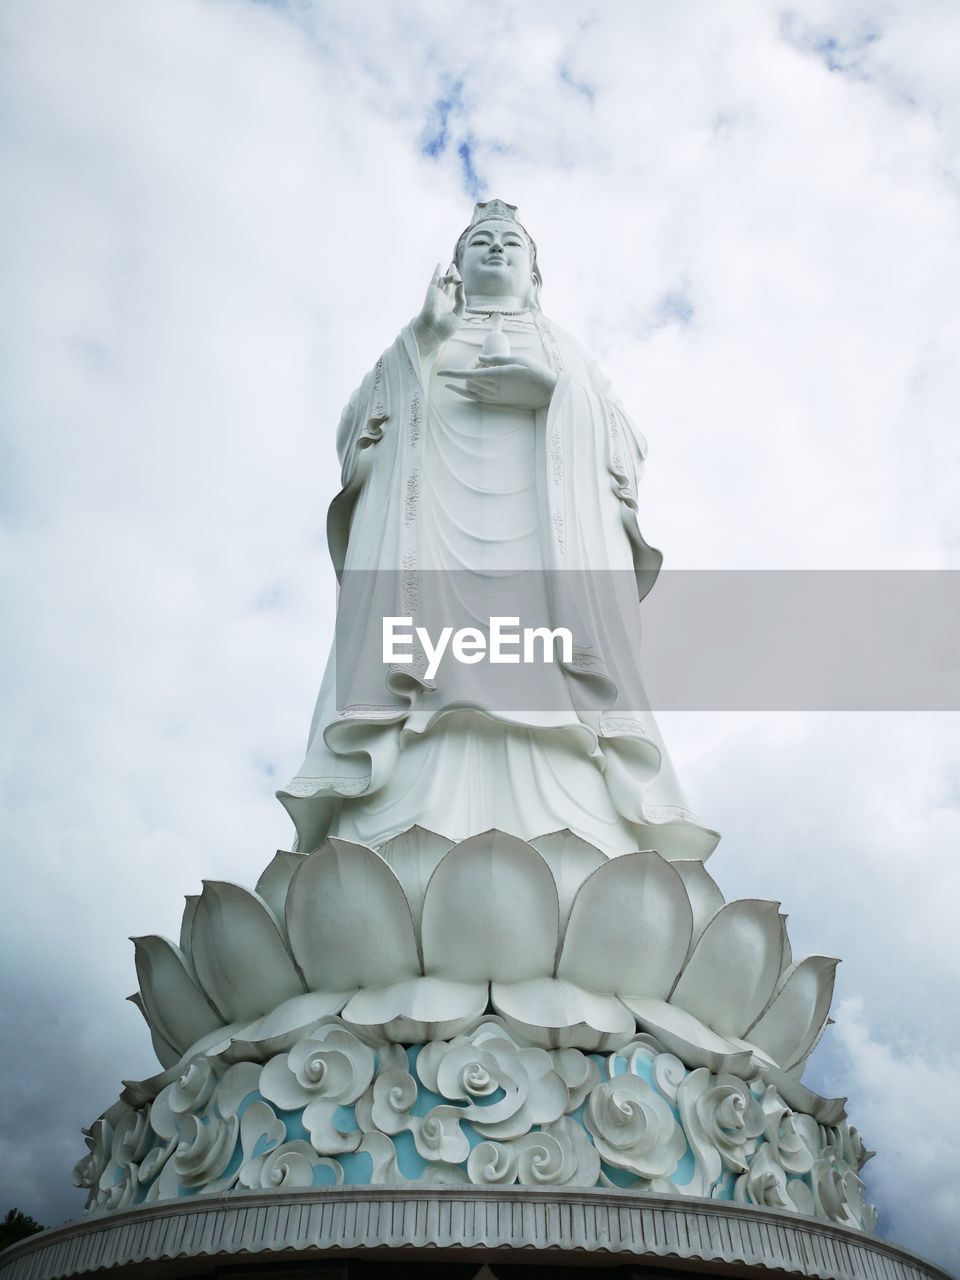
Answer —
843 1142
107 1171
838 1192
203 1151
122 1192
197 1119
507 1090
838 1195
644 1056
331 1069
578 1072
560 1154
213 1118
864 1214
793 1137
492 1164
766 1183
855 1151
385 1171
500 1089
829 1154
633 1128
189 1093
110 1170
289 1165
722 1120
99 1140
388 1108
153 1163
132 1135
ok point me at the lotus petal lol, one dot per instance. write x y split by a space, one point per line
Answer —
401 1031
490 912
629 928
279 1030
419 1009
798 1011
571 860
348 920
167 1055
759 1056
555 1014
688 1039
239 953
798 1067
275 880
787 949
172 1001
734 968
413 857
702 890
186 922
800 1098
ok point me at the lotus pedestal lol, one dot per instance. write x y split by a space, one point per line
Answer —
525 1054
346 1233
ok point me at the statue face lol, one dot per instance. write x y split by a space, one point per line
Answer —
496 261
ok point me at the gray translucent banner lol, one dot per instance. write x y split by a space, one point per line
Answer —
698 641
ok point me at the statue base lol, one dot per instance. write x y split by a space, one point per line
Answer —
472 1233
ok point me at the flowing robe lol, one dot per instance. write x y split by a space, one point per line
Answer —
446 504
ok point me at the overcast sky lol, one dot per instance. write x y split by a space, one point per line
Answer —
218 212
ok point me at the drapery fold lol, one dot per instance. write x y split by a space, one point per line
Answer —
383 735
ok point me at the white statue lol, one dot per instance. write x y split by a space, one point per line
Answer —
486 452
429 1009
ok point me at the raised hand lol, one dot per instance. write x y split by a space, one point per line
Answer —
510 382
442 309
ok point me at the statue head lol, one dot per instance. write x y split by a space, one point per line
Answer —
496 256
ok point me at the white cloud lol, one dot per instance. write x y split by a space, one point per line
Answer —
904 1091
216 217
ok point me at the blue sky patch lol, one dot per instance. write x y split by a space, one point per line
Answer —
473 183
436 133
585 90
438 138
839 54
673 307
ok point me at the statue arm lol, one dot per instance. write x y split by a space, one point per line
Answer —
367 421
603 387
590 435
376 401
567 355
362 421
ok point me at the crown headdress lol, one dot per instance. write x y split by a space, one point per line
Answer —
487 209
